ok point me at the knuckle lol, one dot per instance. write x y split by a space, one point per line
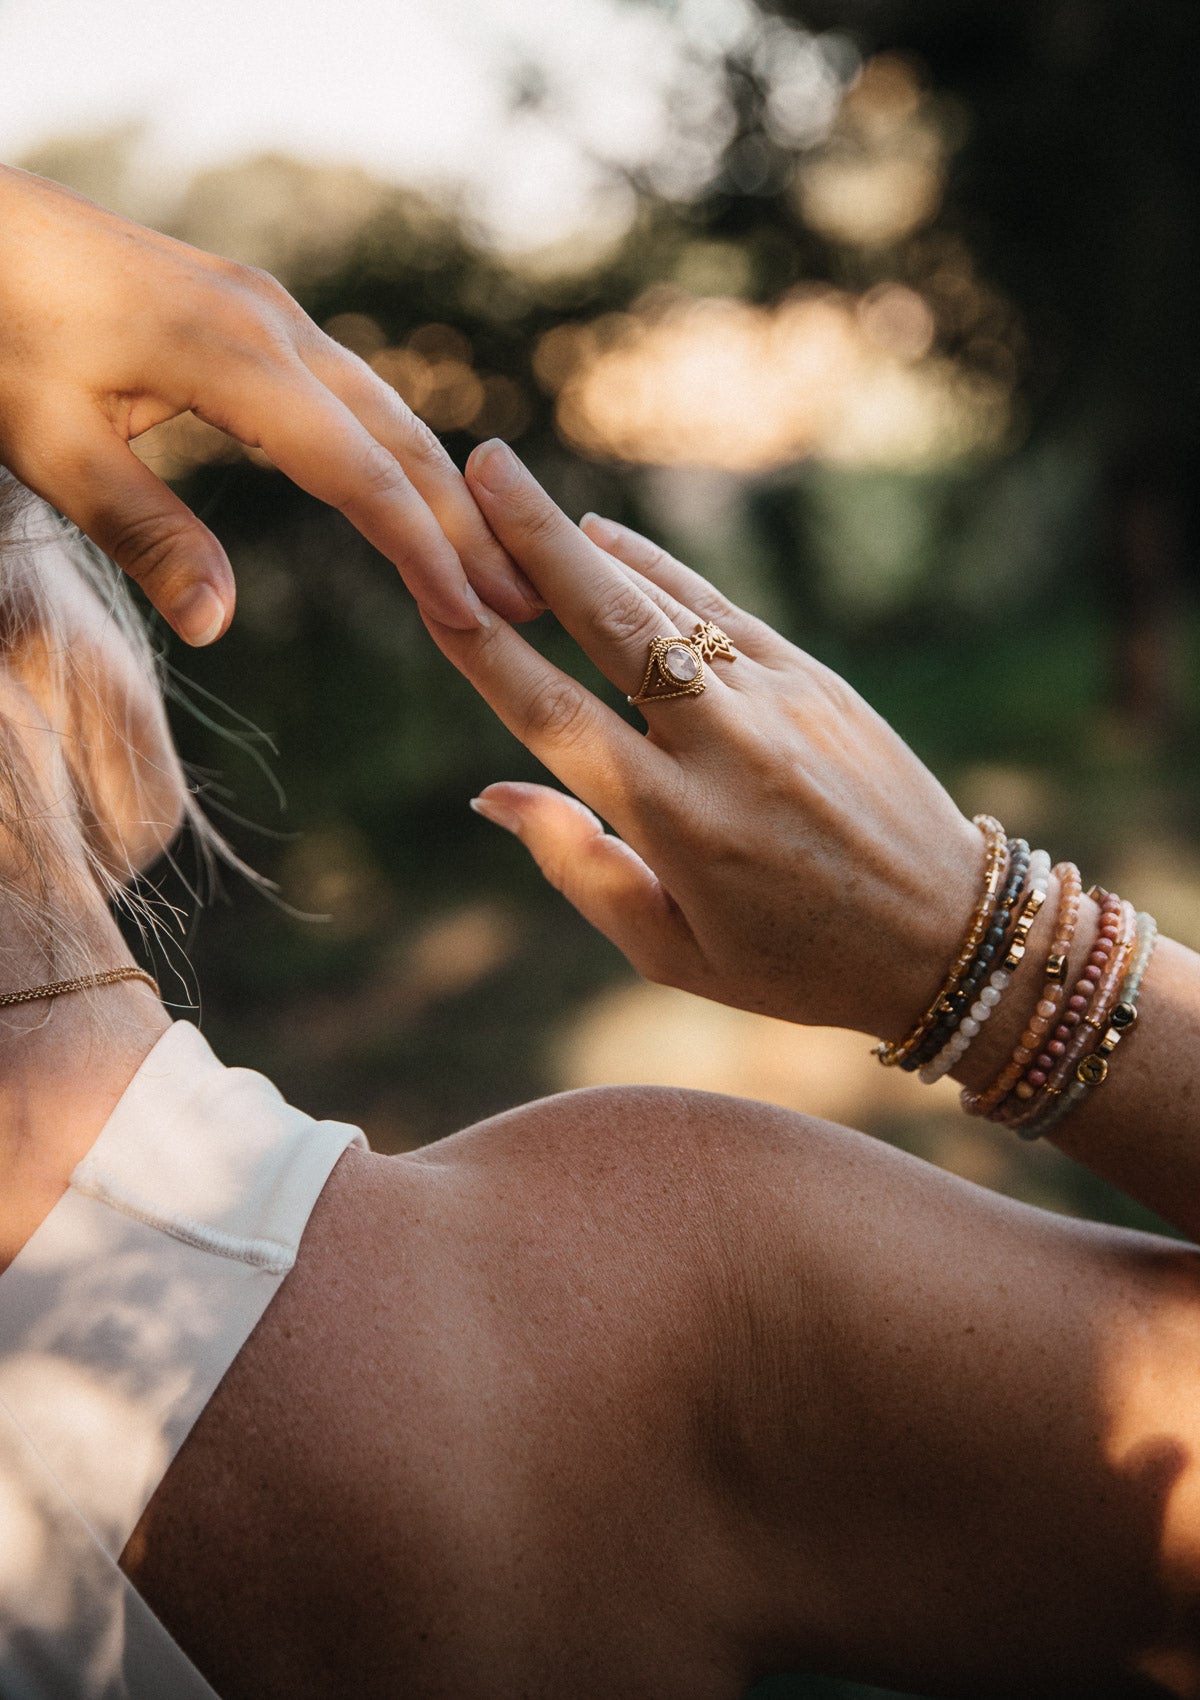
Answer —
765 638
838 692
556 713
659 793
263 285
657 558
422 440
145 544
711 605
263 316
378 472
540 523
628 615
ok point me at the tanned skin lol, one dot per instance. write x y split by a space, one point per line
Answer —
646 1393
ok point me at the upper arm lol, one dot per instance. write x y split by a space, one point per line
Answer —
957 1436
805 1394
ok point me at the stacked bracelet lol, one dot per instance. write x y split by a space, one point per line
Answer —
1063 1053
1048 1005
957 1046
995 860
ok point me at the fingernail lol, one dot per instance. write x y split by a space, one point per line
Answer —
529 592
200 616
496 466
598 529
498 815
483 614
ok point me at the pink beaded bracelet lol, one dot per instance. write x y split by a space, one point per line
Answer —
1050 1055
1108 962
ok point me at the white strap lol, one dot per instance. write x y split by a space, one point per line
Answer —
72 1625
118 1319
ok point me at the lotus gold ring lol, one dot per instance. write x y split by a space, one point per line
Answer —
675 666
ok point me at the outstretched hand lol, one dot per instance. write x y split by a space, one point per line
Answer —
107 329
779 848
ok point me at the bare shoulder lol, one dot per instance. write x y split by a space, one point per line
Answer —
613 1394
476 1400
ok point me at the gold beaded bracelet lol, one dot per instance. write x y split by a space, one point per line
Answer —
993 872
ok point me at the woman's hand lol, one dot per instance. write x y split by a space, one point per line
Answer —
780 848
107 329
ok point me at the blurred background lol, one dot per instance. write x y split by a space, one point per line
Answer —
880 312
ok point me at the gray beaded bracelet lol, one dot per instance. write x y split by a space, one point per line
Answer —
998 981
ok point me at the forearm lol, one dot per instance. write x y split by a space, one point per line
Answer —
1141 1128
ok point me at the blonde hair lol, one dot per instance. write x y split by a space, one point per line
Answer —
62 853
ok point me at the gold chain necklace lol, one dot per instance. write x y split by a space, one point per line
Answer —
81 983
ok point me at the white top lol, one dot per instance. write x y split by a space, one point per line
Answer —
118 1318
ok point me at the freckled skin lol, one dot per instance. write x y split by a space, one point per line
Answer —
644 1393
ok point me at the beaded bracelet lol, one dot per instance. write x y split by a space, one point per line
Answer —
953 1008
1131 990
1109 960
1048 1005
1050 1067
1123 1017
993 872
1097 1037
1039 886
1000 978
1024 1119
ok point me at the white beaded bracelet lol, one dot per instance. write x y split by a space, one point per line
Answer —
998 983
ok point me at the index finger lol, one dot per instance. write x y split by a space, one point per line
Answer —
315 439
434 475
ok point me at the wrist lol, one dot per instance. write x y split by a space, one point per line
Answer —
936 908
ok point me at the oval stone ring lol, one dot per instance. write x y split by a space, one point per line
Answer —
675 665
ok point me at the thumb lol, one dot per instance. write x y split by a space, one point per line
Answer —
93 477
600 875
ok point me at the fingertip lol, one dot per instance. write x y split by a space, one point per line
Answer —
494 468
481 615
200 616
601 531
463 612
497 813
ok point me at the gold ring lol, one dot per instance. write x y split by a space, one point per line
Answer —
675 666
713 643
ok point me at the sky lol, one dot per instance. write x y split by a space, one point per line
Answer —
415 90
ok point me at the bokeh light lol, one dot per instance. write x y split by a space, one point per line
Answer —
821 374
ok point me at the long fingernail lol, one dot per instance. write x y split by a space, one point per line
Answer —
469 615
200 616
598 529
482 613
498 815
496 466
